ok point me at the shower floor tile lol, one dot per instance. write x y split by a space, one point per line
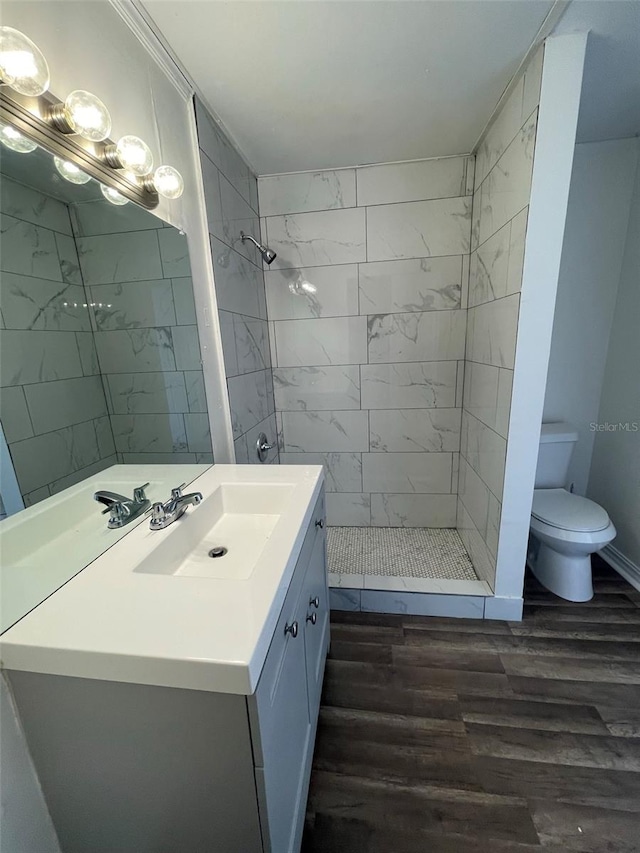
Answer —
364 557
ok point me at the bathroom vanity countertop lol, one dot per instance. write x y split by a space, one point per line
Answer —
121 620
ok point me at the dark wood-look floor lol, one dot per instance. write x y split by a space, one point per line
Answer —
460 736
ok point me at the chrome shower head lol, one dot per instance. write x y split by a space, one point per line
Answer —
267 255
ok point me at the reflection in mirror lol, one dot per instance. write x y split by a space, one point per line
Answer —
100 366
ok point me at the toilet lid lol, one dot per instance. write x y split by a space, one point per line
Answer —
561 509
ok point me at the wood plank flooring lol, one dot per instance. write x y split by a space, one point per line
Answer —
449 735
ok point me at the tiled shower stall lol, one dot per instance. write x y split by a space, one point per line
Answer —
385 347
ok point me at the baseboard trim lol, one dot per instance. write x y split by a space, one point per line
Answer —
623 565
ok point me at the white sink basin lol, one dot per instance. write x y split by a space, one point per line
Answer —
238 517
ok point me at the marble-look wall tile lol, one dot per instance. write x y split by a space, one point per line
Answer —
318 239
415 430
410 510
184 301
72 479
421 284
345 599
198 432
415 181
491 332
92 218
27 357
343 471
423 336
248 401
28 250
215 144
474 496
136 350
186 345
501 133
338 432
487 395
339 340
104 437
485 451
228 336
493 524
241 451
253 192
238 217
196 394
68 257
40 304
238 281
422 473
307 191
516 251
36 496
409 386
212 199
133 305
311 292
489 268
317 388
112 258
53 405
182 458
149 433
348 510
473 541
506 190
174 253
14 414
418 229
88 353
147 393
252 344
421 603
505 386
44 458
532 83
30 205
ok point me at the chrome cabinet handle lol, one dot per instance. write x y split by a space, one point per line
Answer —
312 617
291 629
314 602
320 523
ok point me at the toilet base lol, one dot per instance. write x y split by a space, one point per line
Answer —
567 576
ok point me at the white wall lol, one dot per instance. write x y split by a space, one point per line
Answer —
90 46
555 143
614 480
592 253
25 825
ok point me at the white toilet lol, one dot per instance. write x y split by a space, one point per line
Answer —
565 528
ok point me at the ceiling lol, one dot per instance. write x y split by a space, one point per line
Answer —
610 103
312 84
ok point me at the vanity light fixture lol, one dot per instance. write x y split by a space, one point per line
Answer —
84 114
113 195
13 139
76 130
22 65
71 172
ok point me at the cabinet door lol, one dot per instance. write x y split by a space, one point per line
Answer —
316 626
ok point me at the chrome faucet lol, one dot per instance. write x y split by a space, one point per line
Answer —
164 514
122 509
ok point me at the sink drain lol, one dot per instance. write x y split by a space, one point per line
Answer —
219 551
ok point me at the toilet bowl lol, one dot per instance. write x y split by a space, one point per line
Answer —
565 530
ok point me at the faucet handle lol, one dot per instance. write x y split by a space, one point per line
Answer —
177 492
158 515
119 513
139 495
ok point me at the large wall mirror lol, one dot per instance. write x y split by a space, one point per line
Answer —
101 383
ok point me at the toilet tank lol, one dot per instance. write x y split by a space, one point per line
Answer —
554 455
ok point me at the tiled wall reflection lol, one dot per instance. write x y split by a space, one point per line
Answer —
53 407
367 308
138 282
231 196
502 187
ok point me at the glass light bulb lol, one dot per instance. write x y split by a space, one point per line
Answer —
16 141
87 116
113 195
168 182
22 65
135 155
71 172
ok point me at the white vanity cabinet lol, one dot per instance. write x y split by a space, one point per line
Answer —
144 768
